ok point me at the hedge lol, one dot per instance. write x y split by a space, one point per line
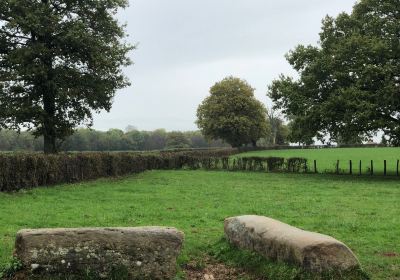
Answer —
264 164
22 171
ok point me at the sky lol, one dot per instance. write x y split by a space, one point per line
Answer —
185 46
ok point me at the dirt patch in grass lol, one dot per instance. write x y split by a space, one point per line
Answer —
212 270
390 254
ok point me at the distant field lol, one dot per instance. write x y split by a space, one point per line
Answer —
327 158
362 212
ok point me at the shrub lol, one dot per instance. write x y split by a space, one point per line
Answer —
296 164
275 163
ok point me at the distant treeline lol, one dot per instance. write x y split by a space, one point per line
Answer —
111 140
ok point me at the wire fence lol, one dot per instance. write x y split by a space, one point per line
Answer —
360 167
298 165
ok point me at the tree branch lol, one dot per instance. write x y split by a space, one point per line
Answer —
14 35
5 18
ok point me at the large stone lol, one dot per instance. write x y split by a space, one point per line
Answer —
140 253
281 242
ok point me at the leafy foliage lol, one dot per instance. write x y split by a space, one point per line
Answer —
59 61
278 134
176 140
232 113
349 85
113 140
297 164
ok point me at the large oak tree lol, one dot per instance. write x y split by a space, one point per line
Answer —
232 113
60 60
348 85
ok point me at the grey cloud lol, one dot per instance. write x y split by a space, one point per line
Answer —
185 46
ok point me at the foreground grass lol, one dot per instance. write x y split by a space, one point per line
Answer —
362 212
327 158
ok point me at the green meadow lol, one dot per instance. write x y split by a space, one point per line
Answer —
363 212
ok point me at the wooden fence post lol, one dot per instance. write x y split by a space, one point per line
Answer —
359 171
384 167
351 167
315 166
337 167
372 167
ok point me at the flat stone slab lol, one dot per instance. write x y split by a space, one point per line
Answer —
140 253
278 241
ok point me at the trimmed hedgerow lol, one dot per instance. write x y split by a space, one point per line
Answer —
22 171
271 164
266 164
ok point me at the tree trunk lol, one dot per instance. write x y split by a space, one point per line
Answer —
49 106
47 88
49 144
254 143
48 125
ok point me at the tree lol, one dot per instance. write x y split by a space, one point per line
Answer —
79 141
197 139
278 134
136 140
300 134
384 141
349 139
349 85
85 139
114 138
279 131
59 62
232 113
156 140
282 135
177 139
274 122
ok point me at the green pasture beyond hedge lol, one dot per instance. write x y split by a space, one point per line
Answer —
363 212
327 158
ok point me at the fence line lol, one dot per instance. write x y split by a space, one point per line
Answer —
298 165
371 171
289 165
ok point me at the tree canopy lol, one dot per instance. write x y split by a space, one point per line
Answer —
112 140
349 85
279 132
59 62
177 140
232 113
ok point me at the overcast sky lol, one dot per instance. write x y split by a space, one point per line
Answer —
185 46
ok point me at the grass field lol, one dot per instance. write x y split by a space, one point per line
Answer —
362 212
327 158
